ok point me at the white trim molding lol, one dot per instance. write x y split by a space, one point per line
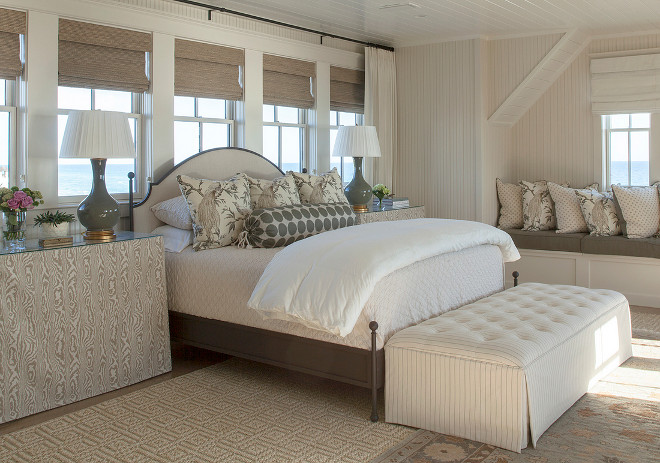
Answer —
636 277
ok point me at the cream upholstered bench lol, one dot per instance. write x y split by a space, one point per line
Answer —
503 369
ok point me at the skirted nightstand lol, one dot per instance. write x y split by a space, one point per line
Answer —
80 320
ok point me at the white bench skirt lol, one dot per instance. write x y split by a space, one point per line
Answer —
503 369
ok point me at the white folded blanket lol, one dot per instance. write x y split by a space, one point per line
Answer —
324 281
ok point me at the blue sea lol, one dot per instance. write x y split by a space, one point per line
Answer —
75 180
639 173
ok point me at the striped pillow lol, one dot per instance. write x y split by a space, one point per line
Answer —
275 227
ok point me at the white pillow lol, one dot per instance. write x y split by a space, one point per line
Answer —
511 205
174 212
567 208
175 239
640 209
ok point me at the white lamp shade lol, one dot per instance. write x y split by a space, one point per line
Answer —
97 135
357 142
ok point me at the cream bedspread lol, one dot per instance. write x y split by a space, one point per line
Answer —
217 284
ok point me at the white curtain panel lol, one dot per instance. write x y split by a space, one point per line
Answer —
380 111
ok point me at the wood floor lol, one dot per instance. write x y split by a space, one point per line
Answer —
185 359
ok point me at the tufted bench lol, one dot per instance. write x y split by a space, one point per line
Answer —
503 369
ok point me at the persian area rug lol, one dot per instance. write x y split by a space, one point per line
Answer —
235 411
618 421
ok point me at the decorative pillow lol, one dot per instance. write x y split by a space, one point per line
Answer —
538 208
567 207
599 212
280 226
174 239
640 209
174 212
218 209
316 189
511 205
271 193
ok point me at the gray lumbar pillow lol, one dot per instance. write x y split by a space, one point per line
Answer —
275 227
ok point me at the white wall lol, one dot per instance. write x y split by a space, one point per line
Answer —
166 20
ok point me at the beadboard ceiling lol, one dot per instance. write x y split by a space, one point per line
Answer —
402 22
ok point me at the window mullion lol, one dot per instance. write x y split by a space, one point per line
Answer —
629 158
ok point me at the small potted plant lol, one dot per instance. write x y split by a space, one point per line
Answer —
54 225
380 191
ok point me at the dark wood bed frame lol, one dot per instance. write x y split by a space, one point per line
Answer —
360 367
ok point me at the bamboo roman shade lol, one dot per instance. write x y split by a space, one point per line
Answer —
205 70
12 25
346 90
625 84
288 82
94 56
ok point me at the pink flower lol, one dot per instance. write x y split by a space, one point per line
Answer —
13 203
20 195
27 202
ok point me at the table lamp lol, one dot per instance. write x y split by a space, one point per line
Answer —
357 142
98 136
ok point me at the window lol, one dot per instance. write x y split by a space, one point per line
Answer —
285 136
201 124
74 176
627 148
7 133
337 119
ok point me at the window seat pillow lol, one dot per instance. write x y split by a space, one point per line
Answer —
275 227
510 197
567 207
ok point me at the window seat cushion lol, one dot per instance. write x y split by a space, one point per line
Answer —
547 240
621 246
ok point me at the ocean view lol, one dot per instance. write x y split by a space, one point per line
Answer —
75 179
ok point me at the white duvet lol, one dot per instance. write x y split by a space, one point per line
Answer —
324 281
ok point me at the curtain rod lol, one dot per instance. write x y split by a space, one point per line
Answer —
279 23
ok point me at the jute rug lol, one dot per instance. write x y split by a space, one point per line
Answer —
618 421
235 411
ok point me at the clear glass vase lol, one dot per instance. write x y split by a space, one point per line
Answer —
13 230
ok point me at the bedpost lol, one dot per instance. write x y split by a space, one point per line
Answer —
515 278
131 176
373 326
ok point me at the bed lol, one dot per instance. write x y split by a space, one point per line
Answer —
220 319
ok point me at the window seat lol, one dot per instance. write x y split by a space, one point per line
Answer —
630 266
547 240
585 243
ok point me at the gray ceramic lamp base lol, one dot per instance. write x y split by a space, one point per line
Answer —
358 192
99 212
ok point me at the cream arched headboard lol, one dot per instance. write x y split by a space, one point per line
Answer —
215 164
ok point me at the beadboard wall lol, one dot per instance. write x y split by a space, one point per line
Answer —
438 129
559 139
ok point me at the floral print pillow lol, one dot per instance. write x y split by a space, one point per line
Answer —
538 208
272 193
599 212
316 189
218 209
